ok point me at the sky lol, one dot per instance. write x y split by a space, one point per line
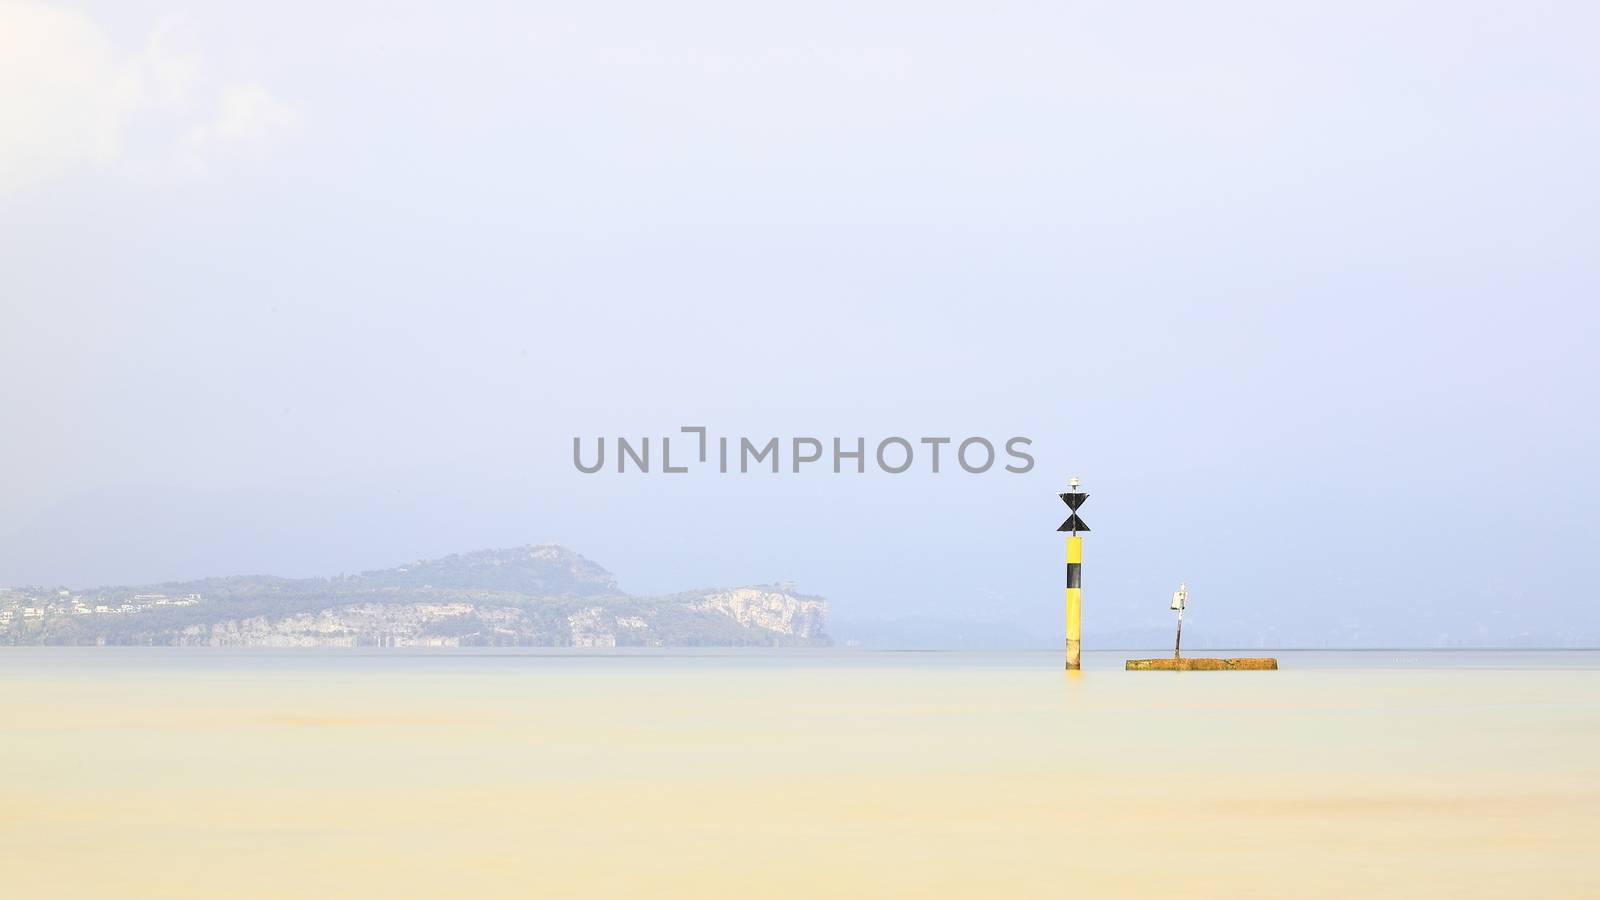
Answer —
1304 293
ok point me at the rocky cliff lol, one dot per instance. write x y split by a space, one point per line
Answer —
770 609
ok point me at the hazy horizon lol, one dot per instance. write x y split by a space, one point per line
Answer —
1305 295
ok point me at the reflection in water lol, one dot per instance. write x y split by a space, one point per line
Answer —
194 774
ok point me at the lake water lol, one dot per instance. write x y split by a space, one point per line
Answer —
178 773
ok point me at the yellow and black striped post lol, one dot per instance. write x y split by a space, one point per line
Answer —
1074 499
1074 602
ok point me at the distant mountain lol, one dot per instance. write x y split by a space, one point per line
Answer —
533 596
539 571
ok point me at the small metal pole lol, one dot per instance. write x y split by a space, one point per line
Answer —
1180 599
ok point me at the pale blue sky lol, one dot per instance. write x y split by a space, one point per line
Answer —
1304 292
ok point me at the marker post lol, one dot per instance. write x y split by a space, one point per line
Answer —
1180 599
1074 499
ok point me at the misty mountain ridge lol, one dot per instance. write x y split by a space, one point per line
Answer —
536 570
543 570
537 595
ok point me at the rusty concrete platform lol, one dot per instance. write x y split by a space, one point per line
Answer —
1202 664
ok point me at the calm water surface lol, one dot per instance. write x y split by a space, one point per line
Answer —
179 773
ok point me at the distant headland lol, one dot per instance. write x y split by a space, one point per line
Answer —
531 596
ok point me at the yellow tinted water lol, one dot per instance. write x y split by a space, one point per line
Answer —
843 775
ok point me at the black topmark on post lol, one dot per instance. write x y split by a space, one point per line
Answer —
1073 500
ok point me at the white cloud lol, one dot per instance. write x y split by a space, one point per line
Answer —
247 115
70 98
